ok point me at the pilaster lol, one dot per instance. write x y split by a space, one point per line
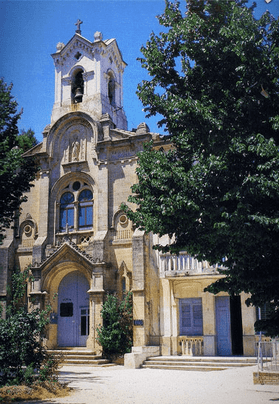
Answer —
103 198
166 318
139 312
44 203
248 321
209 338
96 299
6 266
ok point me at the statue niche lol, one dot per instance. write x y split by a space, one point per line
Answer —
73 144
75 150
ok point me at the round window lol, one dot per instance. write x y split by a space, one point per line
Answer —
123 220
76 185
27 230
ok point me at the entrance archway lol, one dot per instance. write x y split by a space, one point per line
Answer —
73 310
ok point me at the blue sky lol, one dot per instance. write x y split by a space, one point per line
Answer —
30 30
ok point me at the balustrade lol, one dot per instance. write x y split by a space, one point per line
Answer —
191 346
125 234
183 263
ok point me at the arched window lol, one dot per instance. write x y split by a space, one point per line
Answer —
85 214
67 211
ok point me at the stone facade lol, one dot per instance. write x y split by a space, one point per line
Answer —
79 243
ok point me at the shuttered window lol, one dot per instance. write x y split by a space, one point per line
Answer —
191 320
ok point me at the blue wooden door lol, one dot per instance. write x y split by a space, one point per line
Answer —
223 325
73 310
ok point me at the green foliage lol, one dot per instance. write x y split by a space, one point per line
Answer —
16 172
116 334
27 140
214 79
22 355
269 323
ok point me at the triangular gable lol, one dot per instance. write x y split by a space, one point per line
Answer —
67 249
38 149
89 46
75 39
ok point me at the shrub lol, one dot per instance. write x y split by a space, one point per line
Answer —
116 334
22 355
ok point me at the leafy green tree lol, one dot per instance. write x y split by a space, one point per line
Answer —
27 140
116 334
16 171
214 80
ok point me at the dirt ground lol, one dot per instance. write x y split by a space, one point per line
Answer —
117 385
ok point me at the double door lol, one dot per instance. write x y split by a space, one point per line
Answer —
73 310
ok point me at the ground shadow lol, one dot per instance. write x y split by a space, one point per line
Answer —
83 377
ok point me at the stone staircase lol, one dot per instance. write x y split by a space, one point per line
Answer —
79 356
194 363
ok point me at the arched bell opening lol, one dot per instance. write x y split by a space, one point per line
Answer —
77 87
111 88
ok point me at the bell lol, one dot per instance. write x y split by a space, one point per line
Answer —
78 95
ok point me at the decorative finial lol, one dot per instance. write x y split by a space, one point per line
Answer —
78 31
59 46
98 36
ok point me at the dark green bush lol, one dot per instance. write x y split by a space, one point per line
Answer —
116 334
23 358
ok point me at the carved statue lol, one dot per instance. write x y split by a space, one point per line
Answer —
75 150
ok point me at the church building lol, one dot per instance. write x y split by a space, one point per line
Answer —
81 246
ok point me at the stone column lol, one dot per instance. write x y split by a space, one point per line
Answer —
76 205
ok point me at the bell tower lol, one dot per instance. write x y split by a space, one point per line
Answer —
89 78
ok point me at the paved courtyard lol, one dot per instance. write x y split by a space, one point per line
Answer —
117 385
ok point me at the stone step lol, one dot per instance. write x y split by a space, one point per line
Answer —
79 356
201 363
182 367
204 364
68 351
91 362
226 359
